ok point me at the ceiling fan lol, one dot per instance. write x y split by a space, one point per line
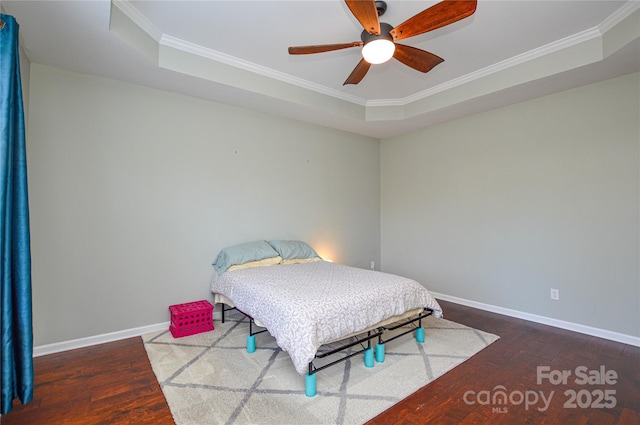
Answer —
379 39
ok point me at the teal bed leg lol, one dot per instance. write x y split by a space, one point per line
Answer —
380 353
420 334
368 357
310 385
251 344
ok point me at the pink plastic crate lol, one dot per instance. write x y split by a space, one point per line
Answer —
191 318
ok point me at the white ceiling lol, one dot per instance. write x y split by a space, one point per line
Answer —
236 52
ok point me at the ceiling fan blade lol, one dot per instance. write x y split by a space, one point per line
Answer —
305 50
417 59
358 72
366 13
437 16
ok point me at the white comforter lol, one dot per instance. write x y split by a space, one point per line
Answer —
307 305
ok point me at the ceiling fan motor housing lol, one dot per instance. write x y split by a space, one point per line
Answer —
381 7
384 34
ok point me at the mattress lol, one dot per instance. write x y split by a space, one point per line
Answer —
304 306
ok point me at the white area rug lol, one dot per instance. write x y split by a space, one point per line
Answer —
210 378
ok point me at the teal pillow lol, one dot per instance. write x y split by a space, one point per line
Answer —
293 249
243 253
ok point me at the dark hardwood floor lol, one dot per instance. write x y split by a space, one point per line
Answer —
114 384
512 362
104 384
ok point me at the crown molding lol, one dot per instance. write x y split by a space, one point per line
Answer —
196 49
138 18
402 108
619 15
514 61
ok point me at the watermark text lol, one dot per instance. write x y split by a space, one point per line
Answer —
593 391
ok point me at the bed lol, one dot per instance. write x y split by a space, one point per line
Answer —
305 302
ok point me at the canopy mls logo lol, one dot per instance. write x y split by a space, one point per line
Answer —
499 398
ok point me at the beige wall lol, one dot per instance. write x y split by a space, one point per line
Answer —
500 207
133 192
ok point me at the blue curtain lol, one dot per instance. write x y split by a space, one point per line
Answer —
15 293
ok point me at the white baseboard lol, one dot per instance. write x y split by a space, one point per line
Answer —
587 330
58 347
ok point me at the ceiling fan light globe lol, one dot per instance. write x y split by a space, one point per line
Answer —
378 51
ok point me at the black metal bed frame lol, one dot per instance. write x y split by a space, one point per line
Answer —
310 378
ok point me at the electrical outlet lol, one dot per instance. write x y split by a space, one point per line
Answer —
373 265
555 294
